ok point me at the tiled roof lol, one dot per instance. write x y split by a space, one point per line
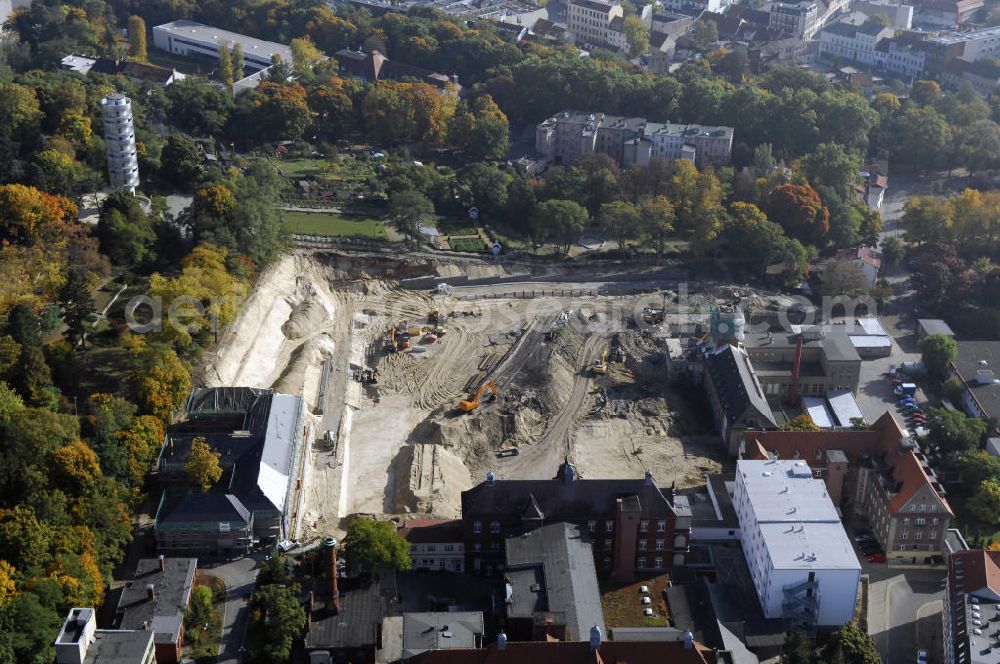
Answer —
559 652
881 440
730 370
981 570
431 531
863 254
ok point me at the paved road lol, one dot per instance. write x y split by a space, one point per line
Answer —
239 576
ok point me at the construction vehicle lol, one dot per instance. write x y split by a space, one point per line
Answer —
652 316
369 376
473 402
435 321
600 367
390 343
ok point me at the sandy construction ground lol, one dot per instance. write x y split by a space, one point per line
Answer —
400 446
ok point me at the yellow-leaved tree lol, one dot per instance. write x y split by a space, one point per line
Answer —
203 464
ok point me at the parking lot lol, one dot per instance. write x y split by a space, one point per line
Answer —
875 392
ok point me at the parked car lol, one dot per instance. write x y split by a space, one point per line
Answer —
287 545
509 452
921 657
876 558
869 548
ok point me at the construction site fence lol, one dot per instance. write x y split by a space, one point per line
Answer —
557 292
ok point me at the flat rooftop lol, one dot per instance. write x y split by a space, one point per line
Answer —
808 546
209 34
785 492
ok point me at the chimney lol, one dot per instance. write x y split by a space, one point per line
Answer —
309 611
150 591
490 478
793 392
162 563
688 640
595 638
501 641
331 552
626 534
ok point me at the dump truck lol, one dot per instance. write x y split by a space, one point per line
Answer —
467 406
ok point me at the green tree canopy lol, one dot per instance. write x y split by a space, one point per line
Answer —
938 351
372 545
202 465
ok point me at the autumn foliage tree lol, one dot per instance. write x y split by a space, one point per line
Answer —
408 113
202 464
280 111
137 38
799 210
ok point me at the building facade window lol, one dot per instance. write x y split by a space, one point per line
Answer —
592 526
641 563
643 544
661 526
643 526
659 545
494 527
658 563
477 527
609 526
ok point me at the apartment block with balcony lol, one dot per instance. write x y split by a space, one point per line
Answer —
971 608
801 562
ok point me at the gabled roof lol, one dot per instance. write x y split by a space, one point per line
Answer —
562 499
731 372
882 440
430 531
863 254
551 571
200 507
560 652
981 571
440 631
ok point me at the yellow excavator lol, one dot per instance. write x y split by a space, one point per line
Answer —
600 367
473 403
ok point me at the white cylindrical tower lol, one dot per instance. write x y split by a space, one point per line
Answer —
119 134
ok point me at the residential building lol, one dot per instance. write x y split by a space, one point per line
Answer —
434 544
441 630
570 135
975 367
946 13
802 564
905 56
798 19
971 608
261 437
877 473
852 42
550 585
119 138
929 326
374 66
590 21
696 6
867 260
900 15
634 524
686 651
189 38
155 600
80 642
872 189
982 75
735 394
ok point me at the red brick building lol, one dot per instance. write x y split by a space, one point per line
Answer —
633 524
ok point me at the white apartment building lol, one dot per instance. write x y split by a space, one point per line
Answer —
798 19
435 545
189 38
697 5
570 135
853 42
906 59
119 136
801 562
592 22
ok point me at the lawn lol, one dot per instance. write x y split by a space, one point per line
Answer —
300 167
334 225
623 603
466 243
